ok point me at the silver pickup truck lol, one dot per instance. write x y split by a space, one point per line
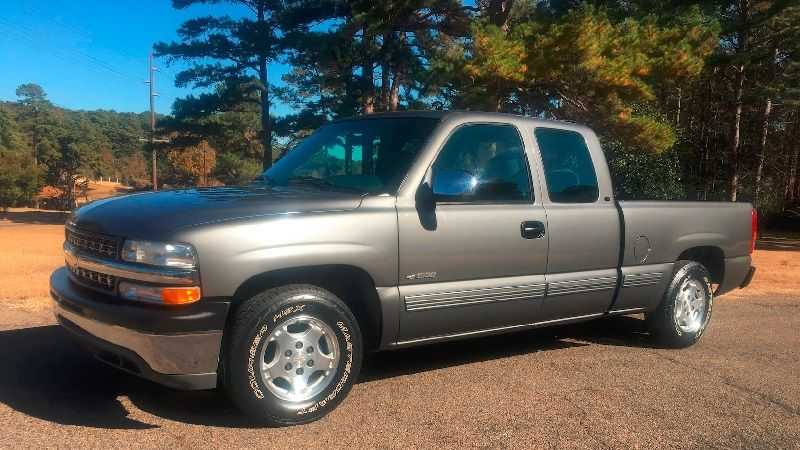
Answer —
383 232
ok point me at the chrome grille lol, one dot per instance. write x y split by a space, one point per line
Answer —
94 278
93 244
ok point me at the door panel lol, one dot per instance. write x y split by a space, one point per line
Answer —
473 271
476 256
452 307
584 226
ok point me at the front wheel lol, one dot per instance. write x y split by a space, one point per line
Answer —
683 315
294 353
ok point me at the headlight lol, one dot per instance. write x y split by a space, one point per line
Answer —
159 254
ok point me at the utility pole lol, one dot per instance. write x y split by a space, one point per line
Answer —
152 82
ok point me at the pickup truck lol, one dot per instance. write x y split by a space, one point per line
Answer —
382 232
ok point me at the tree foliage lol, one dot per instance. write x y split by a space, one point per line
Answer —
225 51
42 144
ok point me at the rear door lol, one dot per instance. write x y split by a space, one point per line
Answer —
480 262
583 224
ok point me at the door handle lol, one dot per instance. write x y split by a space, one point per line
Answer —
532 229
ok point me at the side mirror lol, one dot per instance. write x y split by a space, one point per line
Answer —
424 197
453 183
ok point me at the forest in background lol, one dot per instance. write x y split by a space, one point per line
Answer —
691 99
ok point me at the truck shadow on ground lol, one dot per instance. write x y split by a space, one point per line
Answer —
46 375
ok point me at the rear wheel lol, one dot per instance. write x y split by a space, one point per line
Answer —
293 355
685 311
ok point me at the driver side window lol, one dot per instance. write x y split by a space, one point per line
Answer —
482 163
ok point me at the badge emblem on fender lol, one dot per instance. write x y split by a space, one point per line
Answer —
422 276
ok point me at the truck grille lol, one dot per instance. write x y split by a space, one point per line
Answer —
93 278
93 244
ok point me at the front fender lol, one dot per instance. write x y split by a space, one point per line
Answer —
230 253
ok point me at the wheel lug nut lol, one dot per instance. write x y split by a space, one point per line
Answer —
310 363
288 353
298 345
310 349
288 367
299 371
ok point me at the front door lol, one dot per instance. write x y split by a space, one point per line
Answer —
477 261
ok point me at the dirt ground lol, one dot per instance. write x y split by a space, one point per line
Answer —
596 385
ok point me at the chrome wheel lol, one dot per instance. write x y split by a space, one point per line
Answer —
299 359
691 305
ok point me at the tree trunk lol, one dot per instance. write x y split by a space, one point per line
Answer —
792 184
394 92
266 123
386 71
736 135
367 75
741 47
498 12
762 152
397 81
385 82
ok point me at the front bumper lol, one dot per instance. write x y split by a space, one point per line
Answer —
176 347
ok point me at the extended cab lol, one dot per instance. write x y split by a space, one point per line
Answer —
382 232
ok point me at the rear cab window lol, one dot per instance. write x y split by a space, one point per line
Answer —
568 168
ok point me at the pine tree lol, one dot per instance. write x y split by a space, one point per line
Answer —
230 53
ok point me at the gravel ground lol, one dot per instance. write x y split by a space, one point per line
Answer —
595 385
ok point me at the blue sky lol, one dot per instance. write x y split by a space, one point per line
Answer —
92 54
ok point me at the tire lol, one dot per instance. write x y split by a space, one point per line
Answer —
267 331
679 321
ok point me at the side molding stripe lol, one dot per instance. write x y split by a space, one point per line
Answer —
580 286
473 297
641 279
437 300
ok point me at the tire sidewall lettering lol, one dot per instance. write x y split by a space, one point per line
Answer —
251 362
345 376
253 367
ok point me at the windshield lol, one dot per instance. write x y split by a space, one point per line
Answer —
368 156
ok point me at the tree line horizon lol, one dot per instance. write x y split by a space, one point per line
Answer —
691 99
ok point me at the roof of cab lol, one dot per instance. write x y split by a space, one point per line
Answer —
461 114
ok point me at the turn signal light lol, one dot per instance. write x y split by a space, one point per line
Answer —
162 295
180 295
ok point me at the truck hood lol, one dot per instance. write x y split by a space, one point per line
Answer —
156 215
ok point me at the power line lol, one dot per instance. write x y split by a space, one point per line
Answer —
19 31
42 14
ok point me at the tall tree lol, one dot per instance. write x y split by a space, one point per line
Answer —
745 42
363 56
227 51
35 111
19 178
